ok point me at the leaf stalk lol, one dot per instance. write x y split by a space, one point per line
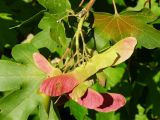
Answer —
115 8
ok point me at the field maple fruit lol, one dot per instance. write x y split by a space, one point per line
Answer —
68 83
75 59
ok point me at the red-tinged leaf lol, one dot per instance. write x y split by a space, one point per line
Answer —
42 63
58 85
115 27
112 102
91 99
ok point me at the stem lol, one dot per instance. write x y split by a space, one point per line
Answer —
90 4
81 3
57 100
77 34
115 8
85 56
86 9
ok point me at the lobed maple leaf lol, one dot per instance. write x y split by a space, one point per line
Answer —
115 27
19 83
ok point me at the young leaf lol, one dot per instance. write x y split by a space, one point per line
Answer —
56 7
58 85
112 102
55 38
117 54
116 27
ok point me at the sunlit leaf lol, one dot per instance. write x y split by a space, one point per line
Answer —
114 75
77 110
53 35
56 7
108 116
140 5
141 115
6 16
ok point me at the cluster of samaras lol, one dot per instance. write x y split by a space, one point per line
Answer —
75 84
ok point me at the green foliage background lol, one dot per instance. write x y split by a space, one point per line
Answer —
138 79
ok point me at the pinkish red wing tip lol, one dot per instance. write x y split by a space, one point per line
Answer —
91 99
130 41
42 63
112 102
58 85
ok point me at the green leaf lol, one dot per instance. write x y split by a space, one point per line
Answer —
52 113
108 116
6 16
53 35
42 114
23 53
140 115
116 27
149 76
23 80
114 75
10 80
39 41
119 2
57 30
140 5
56 7
79 112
